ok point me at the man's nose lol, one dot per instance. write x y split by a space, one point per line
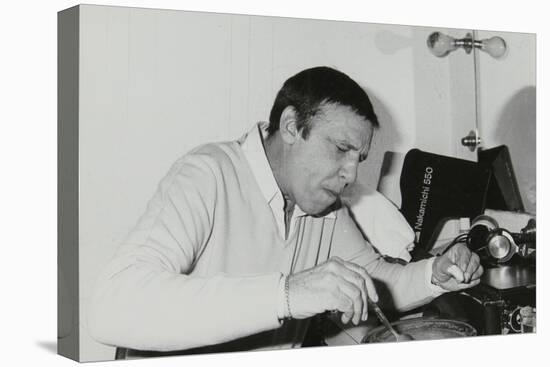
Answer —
349 172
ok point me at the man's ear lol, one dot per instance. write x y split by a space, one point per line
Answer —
287 125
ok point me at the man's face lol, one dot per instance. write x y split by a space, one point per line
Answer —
320 166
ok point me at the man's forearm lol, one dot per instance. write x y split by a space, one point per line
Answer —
409 285
149 308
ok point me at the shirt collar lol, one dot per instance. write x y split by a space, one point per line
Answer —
254 152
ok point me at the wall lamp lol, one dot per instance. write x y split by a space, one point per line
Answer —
441 45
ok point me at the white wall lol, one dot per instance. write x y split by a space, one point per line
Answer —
507 106
155 83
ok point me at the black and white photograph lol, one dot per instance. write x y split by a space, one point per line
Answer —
260 183
273 183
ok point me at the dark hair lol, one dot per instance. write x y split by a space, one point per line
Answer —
308 90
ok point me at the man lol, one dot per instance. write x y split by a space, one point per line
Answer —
244 241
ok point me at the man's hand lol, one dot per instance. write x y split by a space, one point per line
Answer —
457 269
334 285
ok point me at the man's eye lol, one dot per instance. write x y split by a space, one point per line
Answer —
341 149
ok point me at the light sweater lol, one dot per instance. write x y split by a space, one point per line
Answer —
204 263
383 225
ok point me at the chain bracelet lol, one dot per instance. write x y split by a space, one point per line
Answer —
287 297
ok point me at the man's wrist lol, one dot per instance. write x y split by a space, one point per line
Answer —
433 279
433 284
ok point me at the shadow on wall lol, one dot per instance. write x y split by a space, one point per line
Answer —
48 345
516 128
370 173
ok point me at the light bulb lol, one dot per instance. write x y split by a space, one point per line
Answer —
494 46
440 44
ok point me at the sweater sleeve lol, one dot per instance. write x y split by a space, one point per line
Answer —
409 286
147 297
